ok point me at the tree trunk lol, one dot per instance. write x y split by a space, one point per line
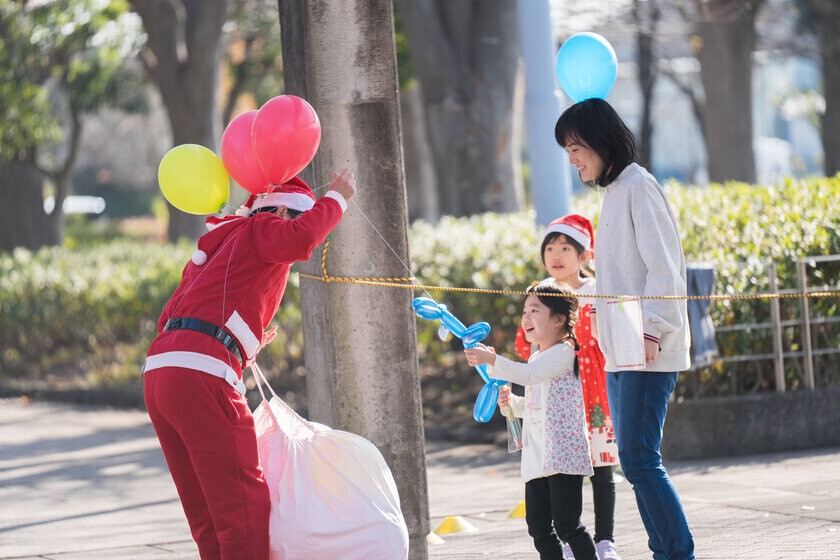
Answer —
22 216
63 177
829 39
728 36
360 341
185 69
419 162
469 99
646 24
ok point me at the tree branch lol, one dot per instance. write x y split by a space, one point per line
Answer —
727 11
160 21
697 106
149 61
61 174
240 76
203 19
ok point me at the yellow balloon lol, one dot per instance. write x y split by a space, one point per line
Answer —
193 179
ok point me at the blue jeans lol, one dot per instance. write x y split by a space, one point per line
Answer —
638 402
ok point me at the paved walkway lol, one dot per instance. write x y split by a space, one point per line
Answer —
81 483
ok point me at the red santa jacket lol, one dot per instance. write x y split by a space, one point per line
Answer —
238 288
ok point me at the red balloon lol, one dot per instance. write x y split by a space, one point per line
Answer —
238 155
285 136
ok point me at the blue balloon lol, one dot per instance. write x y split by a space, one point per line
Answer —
586 67
485 403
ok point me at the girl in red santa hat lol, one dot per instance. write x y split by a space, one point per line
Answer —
212 328
566 248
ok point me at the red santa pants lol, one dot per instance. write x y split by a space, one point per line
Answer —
207 434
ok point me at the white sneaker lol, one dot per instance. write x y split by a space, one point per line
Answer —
607 550
567 552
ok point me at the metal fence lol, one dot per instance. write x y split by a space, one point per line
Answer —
805 322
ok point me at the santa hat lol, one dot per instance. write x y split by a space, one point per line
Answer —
294 195
574 226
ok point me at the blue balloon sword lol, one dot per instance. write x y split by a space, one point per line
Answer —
425 308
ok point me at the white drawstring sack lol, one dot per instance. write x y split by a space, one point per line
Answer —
332 494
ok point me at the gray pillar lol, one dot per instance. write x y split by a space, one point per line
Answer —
359 341
551 181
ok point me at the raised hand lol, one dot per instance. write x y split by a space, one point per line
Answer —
344 183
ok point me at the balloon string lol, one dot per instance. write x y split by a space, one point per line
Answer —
325 185
411 274
405 266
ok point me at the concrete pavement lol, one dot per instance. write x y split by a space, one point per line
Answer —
90 483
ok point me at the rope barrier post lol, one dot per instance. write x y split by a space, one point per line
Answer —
802 273
776 318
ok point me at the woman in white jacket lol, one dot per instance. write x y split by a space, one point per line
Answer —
555 446
638 253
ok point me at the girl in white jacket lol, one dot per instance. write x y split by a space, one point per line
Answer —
555 447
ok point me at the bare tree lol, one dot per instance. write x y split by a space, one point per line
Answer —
726 39
466 57
253 62
419 163
52 78
827 21
340 56
22 217
182 60
646 16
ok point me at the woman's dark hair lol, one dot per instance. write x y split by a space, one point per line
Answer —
560 300
580 249
595 124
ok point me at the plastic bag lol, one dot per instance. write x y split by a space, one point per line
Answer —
514 430
332 494
628 340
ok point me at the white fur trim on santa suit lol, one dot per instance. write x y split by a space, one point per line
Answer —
195 361
338 197
213 222
569 231
199 257
237 326
292 201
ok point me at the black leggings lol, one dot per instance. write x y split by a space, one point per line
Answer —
603 500
553 505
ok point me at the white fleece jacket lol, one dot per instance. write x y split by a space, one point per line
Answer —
638 253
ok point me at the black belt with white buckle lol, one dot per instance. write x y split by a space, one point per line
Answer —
205 327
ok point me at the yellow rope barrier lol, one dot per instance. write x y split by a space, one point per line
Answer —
397 283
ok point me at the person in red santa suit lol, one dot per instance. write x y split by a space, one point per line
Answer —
213 327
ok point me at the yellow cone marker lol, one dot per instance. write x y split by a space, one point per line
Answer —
433 538
518 511
455 524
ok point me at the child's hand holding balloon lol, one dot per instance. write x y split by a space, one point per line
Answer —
480 355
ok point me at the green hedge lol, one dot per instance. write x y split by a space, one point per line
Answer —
85 317
63 310
736 227
88 314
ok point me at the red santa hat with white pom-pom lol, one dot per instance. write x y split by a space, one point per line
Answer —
575 227
294 195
